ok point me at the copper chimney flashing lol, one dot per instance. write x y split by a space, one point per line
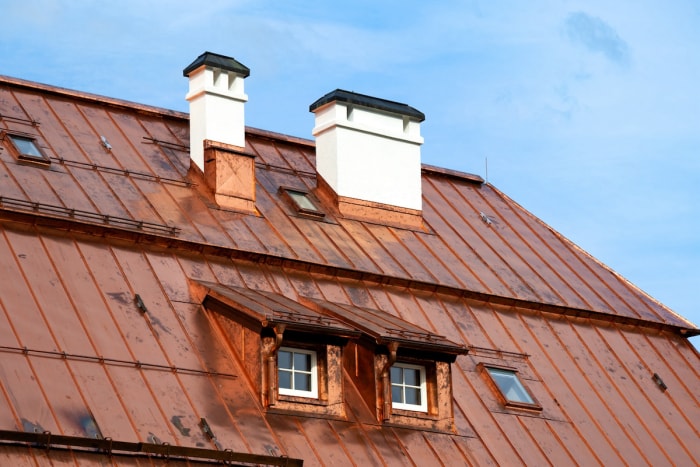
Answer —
230 174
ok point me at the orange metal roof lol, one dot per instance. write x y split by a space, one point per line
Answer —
80 239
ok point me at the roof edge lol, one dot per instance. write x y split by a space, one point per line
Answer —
131 105
57 90
691 326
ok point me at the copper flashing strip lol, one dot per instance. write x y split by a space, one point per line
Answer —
108 446
434 170
87 217
169 242
111 361
125 172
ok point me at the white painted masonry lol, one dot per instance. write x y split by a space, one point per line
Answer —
217 102
369 154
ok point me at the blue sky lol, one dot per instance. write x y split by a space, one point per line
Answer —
585 113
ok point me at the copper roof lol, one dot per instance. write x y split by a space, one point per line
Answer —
78 358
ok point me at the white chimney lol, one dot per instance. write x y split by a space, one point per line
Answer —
368 149
216 98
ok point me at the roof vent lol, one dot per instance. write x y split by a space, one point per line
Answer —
368 154
216 100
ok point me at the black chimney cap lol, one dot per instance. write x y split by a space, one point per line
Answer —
368 101
218 61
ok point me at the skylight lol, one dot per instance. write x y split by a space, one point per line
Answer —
302 202
510 386
27 149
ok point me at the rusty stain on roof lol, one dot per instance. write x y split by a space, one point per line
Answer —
81 237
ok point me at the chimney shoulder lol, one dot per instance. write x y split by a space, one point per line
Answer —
230 173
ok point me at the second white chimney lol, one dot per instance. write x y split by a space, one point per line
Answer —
369 148
217 99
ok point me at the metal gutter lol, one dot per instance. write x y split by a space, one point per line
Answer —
108 447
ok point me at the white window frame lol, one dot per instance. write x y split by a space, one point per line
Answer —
313 393
423 406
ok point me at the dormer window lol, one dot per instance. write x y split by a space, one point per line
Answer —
27 149
408 387
401 370
297 372
293 353
299 352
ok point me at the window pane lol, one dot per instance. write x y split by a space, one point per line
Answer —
301 200
511 387
408 387
26 146
285 379
284 359
411 377
412 396
396 375
396 394
297 372
302 382
302 362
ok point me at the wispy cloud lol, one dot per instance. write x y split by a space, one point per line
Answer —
597 36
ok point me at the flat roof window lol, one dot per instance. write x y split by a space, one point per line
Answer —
302 202
297 372
408 389
510 386
27 149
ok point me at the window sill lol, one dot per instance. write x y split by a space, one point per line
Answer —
301 400
34 161
523 406
304 413
420 421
